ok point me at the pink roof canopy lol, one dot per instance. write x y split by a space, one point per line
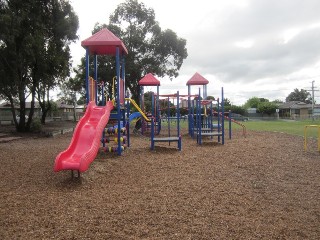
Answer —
197 79
149 80
104 42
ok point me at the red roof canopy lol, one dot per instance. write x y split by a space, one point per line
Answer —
197 79
104 42
149 80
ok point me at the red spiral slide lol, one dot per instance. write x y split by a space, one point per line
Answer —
85 142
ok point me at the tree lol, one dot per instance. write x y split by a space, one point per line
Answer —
68 94
227 102
235 109
151 49
277 101
34 52
197 97
148 101
210 98
267 108
69 89
302 96
252 102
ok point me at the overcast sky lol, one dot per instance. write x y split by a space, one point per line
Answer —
251 48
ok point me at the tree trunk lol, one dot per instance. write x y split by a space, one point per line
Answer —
45 111
21 125
136 94
74 107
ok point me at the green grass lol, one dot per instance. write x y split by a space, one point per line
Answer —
290 127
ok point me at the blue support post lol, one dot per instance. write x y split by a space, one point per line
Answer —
128 122
153 112
199 137
123 77
118 98
211 118
219 117
152 105
158 111
95 78
222 108
192 122
189 112
152 134
230 130
178 123
143 122
168 112
87 76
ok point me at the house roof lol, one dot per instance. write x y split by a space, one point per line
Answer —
68 106
149 80
197 79
297 105
28 105
104 42
287 105
60 105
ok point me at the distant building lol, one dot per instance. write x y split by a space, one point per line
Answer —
183 103
251 110
298 110
65 111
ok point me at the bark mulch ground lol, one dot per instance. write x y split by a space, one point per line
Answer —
263 186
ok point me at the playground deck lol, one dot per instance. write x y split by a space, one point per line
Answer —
213 133
166 139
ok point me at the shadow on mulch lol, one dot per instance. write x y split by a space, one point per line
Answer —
211 143
49 129
168 149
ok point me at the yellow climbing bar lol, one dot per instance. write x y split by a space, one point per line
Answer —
305 135
138 108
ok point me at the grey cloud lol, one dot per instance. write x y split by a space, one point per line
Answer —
212 51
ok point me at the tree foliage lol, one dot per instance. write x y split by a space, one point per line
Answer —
235 109
267 108
254 102
262 105
277 101
302 96
151 49
34 52
210 98
227 102
148 101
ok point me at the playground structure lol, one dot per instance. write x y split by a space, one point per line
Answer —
86 140
150 80
204 126
169 138
230 120
200 117
107 121
306 136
